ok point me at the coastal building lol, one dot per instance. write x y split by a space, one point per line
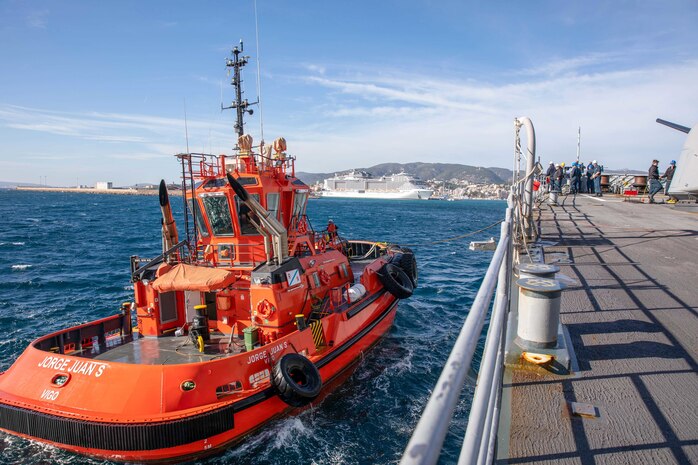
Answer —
104 185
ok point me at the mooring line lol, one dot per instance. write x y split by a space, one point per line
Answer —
462 236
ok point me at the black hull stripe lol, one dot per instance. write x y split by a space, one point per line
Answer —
146 436
115 436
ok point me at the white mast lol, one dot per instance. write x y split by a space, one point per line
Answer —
579 141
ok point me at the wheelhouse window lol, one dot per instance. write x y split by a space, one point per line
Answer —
299 203
273 205
246 217
218 212
198 215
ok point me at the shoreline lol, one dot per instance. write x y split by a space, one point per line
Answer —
94 191
142 192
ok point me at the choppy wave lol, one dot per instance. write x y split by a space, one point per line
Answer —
367 419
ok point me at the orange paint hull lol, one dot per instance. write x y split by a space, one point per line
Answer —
131 412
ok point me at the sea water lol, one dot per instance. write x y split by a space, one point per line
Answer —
64 260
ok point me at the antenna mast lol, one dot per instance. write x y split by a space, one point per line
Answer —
579 141
259 76
240 105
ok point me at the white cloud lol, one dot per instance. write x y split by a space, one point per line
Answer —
571 65
431 119
391 116
107 127
38 19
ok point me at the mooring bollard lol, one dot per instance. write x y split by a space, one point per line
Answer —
539 311
537 270
533 270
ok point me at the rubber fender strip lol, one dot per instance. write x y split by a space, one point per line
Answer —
116 436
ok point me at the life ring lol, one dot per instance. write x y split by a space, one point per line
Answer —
265 309
396 281
296 380
324 277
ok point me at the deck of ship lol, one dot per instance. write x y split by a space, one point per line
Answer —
632 318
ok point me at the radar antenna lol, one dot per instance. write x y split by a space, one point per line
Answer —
240 105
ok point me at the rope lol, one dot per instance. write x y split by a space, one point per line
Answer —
462 236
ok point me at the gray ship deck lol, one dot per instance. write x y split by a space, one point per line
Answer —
632 318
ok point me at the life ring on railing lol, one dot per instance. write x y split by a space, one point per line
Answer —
265 309
396 281
324 277
296 380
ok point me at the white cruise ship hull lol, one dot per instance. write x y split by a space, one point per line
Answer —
414 194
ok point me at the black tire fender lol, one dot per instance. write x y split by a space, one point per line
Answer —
408 263
395 281
296 380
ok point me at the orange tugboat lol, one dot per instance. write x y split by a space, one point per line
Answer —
251 315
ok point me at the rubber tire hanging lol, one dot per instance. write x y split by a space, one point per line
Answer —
396 281
408 263
296 380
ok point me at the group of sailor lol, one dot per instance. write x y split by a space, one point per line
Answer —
582 179
655 183
588 179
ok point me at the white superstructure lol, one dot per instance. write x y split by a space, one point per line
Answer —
362 185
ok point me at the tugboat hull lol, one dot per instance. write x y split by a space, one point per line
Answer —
177 435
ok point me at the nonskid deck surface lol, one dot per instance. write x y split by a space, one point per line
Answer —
632 315
171 350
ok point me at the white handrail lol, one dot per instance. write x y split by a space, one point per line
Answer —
427 440
488 384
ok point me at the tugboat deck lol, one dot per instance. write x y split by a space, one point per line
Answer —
632 318
169 350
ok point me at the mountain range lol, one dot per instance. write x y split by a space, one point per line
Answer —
425 171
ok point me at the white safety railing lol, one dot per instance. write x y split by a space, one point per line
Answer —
478 446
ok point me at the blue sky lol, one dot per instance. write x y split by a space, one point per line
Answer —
95 91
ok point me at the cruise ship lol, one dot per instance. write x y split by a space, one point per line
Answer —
360 184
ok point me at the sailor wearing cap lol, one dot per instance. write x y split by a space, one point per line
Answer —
596 177
669 175
549 174
575 176
653 178
557 178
